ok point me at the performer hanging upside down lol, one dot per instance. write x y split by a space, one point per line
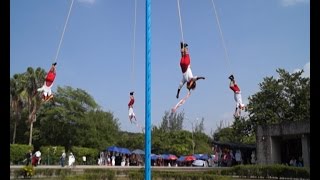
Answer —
187 76
130 106
46 88
237 96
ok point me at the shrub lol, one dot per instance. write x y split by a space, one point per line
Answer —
51 154
268 171
18 152
90 154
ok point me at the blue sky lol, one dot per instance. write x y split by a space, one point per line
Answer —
96 53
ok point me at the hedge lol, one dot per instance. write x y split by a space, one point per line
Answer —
267 171
18 152
90 153
50 155
240 171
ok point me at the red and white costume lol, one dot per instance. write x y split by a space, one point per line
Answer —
186 70
237 95
130 106
46 88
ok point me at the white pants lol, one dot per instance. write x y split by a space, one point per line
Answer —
123 163
186 76
238 99
46 90
131 113
71 161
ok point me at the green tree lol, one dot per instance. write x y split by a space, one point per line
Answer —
242 131
199 127
225 135
102 130
63 122
34 80
174 142
131 140
282 99
172 121
16 102
203 143
179 142
170 137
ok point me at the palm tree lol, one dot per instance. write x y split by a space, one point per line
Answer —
35 79
16 100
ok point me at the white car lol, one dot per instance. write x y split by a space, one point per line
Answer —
200 163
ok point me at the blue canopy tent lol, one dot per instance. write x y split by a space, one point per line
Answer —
168 157
201 156
180 159
124 151
154 157
113 149
138 151
118 150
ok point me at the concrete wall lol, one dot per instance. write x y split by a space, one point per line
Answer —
275 150
269 141
263 150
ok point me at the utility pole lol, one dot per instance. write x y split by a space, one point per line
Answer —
193 144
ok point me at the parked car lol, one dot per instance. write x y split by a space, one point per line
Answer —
200 163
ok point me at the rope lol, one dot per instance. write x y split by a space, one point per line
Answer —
178 1
64 29
221 35
134 41
133 59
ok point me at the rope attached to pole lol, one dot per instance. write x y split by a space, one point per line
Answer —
221 35
64 29
178 1
134 42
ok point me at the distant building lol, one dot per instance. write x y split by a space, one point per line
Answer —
277 144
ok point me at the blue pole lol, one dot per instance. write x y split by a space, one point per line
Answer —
147 174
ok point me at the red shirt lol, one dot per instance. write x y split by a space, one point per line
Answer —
235 88
131 102
50 78
184 63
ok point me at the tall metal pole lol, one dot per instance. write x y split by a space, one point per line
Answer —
192 139
148 94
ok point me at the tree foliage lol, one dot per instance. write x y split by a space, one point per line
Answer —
199 127
172 121
131 140
170 137
74 119
16 102
282 99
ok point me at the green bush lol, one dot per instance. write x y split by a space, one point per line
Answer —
136 175
267 171
29 171
62 172
18 152
50 155
170 175
90 153
243 171
97 174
